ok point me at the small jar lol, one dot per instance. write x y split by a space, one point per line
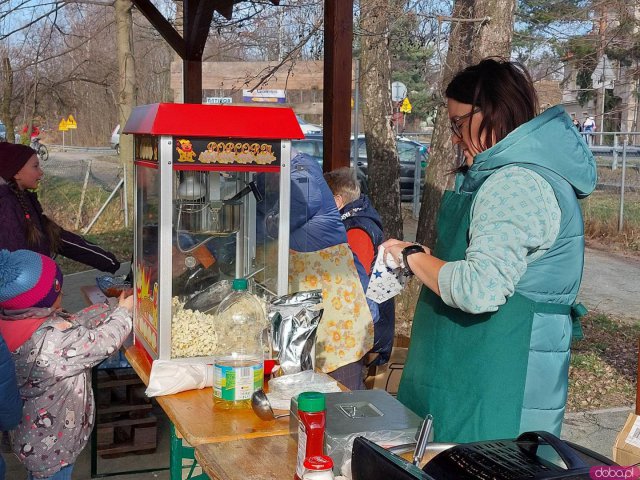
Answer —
318 467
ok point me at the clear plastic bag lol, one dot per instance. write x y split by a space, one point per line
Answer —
341 452
282 389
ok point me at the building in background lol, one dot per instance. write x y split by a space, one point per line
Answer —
299 87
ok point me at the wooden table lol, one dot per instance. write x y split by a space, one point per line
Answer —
92 294
267 458
198 420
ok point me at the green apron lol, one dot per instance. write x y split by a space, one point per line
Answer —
467 370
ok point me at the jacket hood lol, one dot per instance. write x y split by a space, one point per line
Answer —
17 326
25 313
550 141
361 208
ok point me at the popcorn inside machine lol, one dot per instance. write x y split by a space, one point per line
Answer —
209 180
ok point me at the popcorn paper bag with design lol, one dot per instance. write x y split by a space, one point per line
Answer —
388 278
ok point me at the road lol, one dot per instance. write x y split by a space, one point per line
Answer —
611 283
105 164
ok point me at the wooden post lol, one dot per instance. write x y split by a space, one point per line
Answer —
84 191
338 38
638 383
192 81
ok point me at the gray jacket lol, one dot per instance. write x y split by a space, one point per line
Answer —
54 375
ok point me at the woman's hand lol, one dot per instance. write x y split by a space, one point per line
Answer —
394 248
126 301
425 267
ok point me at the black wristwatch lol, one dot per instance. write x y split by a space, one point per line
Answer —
410 250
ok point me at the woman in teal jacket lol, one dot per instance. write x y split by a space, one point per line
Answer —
489 353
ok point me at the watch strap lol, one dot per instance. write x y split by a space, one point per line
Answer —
410 250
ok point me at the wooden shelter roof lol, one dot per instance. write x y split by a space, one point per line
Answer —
338 21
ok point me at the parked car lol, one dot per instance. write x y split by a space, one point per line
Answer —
115 139
3 132
407 151
312 145
308 128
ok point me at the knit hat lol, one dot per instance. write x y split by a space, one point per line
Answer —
28 279
12 158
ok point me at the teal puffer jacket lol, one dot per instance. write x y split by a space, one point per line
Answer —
555 277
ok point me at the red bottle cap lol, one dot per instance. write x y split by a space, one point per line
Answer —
318 462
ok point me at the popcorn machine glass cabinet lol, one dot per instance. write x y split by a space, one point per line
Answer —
146 268
220 234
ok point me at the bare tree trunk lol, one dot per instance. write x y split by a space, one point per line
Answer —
127 91
375 82
7 95
469 42
34 105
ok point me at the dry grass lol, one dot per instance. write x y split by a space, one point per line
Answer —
604 364
61 200
601 212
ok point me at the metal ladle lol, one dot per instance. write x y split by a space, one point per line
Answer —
262 408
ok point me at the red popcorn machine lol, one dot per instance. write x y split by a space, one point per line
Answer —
208 179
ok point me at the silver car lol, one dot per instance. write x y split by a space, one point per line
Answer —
115 139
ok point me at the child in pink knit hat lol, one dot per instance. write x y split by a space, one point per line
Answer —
54 353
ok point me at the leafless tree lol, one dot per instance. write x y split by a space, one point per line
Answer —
479 29
375 83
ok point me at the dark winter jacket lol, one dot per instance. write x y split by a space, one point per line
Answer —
10 401
13 236
314 220
360 214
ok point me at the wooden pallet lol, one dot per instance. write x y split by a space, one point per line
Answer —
124 419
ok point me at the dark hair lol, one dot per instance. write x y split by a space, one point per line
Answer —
33 234
503 91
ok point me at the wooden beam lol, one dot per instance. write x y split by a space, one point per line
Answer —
225 8
200 17
192 81
165 29
338 37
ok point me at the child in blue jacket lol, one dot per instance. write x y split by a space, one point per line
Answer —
10 401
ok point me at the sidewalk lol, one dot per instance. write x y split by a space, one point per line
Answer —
596 430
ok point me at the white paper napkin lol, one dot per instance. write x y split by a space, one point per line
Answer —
388 278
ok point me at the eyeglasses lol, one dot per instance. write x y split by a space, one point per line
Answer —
456 122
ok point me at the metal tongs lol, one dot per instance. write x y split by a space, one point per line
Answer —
423 439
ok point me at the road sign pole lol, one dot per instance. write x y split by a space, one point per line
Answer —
356 124
63 141
604 96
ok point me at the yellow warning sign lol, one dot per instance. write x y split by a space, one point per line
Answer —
71 122
406 106
63 126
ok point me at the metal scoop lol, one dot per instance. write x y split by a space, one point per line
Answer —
262 408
